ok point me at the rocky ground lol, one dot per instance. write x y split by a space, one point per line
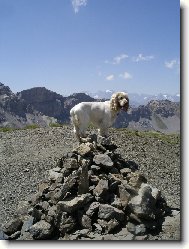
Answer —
26 156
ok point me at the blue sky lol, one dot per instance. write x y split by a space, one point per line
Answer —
88 45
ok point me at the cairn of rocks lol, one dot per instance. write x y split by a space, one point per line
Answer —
91 194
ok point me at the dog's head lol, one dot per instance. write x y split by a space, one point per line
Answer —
119 101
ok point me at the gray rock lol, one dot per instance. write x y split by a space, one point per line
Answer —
136 179
85 149
27 224
36 214
13 226
35 198
101 189
124 234
25 236
124 196
15 235
108 226
70 163
41 230
83 183
92 208
72 204
103 160
95 168
85 221
55 176
67 223
108 212
43 187
3 236
143 204
60 193
125 171
22 208
98 228
136 229
116 202
94 179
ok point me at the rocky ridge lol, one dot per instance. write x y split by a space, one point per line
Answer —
91 194
41 106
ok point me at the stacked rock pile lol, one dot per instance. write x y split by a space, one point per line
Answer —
91 194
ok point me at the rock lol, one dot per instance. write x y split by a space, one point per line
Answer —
156 193
43 187
13 226
106 143
103 160
108 212
82 232
92 208
15 235
72 204
83 184
57 169
101 189
53 215
116 202
95 168
3 236
60 193
35 213
141 237
124 196
114 186
22 208
125 171
41 230
108 226
143 204
27 224
70 163
85 149
34 199
67 223
44 205
98 228
25 236
86 222
94 179
136 179
115 178
124 234
136 229
55 176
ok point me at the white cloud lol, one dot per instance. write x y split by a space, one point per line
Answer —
110 77
171 64
141 57
77 4
117 59
126 76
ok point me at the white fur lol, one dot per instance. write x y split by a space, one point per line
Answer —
101 114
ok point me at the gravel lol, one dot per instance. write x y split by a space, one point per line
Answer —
27 155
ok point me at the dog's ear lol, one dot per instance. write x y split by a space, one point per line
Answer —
114 105
126 107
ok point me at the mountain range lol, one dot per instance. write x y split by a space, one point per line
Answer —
41 106
137 99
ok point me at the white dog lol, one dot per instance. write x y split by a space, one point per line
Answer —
101 114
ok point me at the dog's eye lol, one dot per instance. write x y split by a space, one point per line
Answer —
121 97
